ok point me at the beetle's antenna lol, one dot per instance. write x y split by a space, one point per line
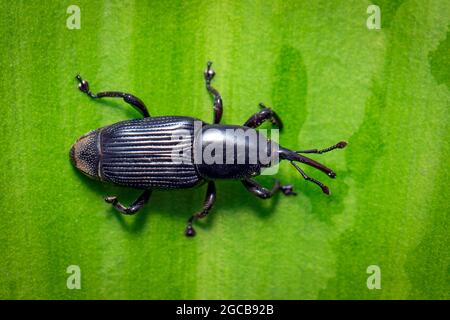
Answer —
306 177
339 145
293 156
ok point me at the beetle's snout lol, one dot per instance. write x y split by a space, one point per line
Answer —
84 154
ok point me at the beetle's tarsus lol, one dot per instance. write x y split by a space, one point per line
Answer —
266 114
288 190
210 198
190 231
218 104
134 207
209 73
84 87
127 97
264 193
111 199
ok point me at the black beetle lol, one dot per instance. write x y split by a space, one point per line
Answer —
139 153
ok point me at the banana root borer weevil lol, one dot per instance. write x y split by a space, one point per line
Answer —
140 153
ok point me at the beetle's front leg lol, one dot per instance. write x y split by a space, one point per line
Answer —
263 193
218 105
210 198
264 115
127 97
134 207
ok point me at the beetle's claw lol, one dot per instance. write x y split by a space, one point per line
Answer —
83 84
209 73
288 190
111 199
190 231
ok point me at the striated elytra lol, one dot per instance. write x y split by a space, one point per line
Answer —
173 152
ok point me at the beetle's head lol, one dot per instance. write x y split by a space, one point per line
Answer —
84 154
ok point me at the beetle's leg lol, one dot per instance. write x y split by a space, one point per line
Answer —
218 105
265 114
210 198
263 193
127 97
338 145
134 207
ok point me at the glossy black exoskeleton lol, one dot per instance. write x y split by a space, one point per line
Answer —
143 153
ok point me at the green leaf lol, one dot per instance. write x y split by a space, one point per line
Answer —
328 77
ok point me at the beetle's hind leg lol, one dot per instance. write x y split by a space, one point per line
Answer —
263 193
127 97
266 114
218 104
134 207
210 198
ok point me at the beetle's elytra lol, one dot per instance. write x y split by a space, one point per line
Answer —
161 153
